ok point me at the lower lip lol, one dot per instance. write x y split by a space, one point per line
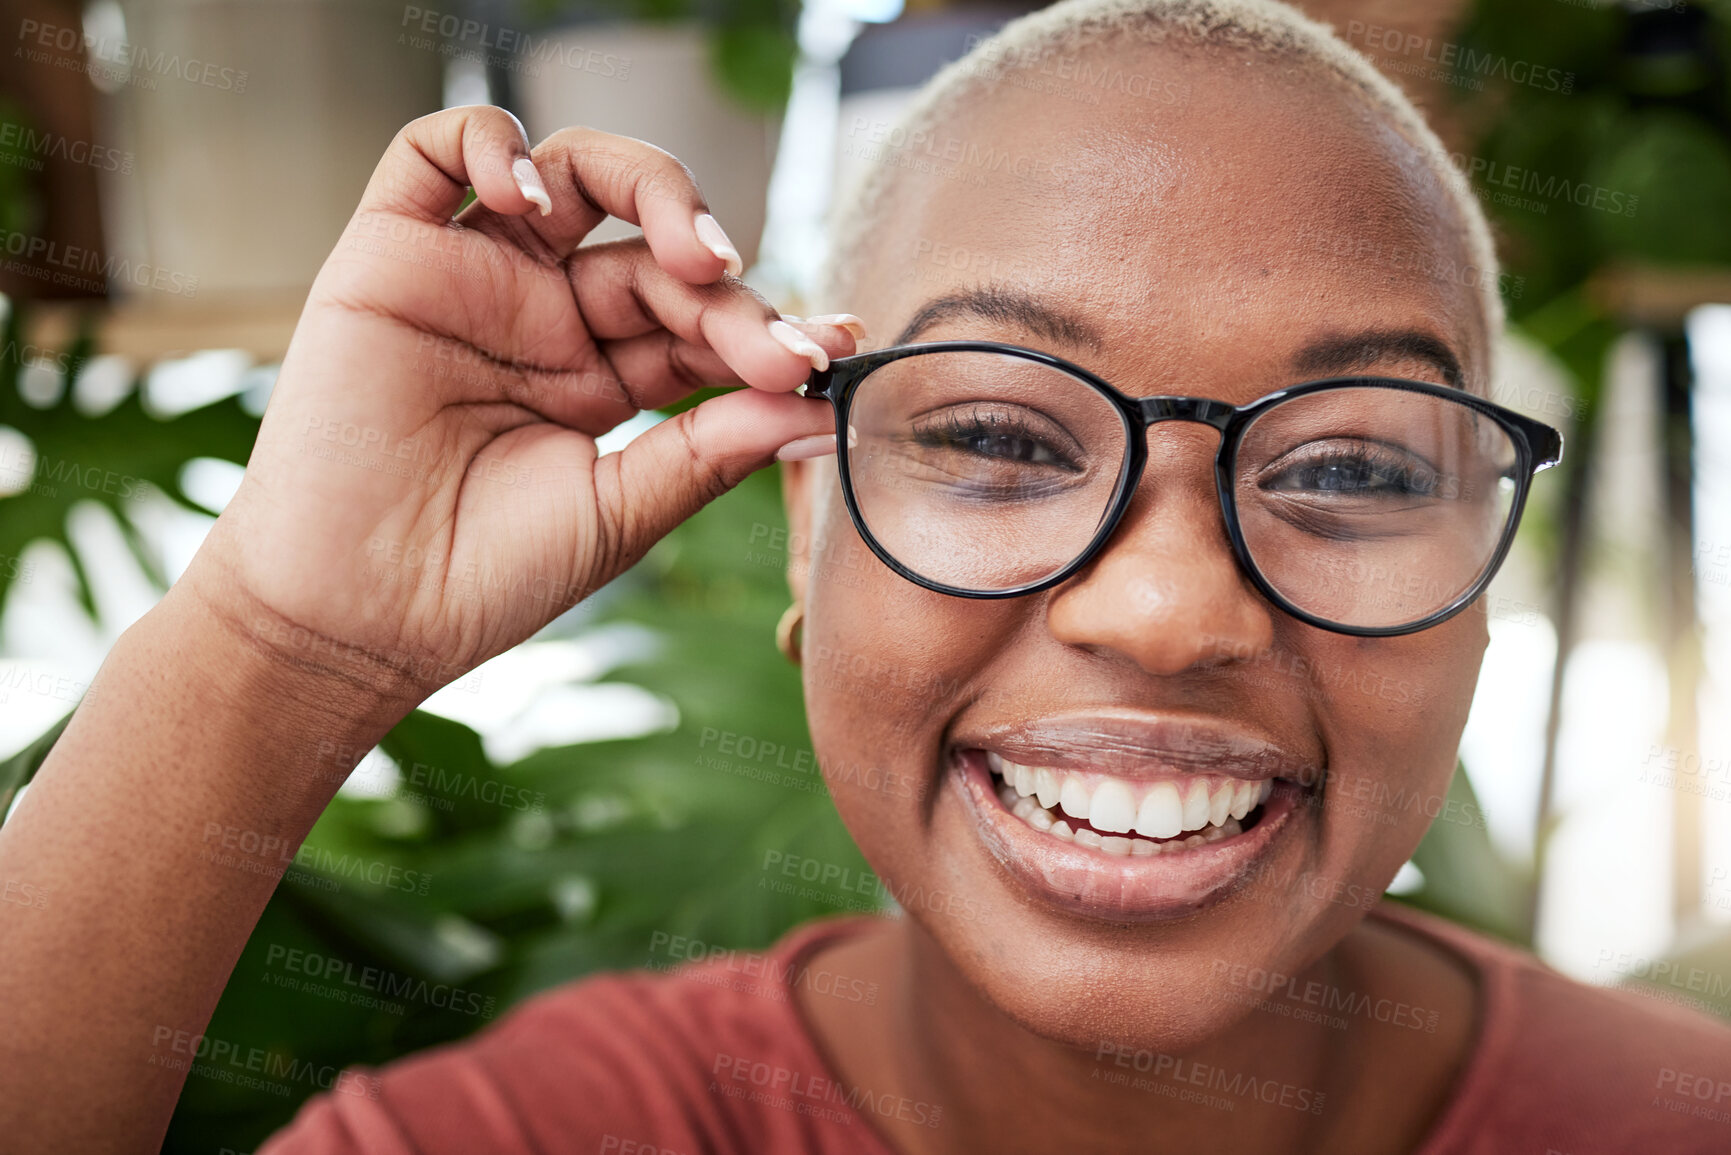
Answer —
1095 884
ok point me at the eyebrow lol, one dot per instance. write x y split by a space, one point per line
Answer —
1006 306
1344 354
1333 354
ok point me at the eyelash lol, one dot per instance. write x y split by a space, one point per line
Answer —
953 430
1410 478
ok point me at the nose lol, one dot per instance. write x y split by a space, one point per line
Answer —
1166 592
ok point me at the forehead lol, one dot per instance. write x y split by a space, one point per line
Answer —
1238 210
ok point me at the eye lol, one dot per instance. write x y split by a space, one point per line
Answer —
1002 444
997 435
1354 469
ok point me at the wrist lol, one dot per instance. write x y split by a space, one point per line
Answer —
313 711
339 677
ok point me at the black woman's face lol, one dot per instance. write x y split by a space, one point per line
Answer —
1207 244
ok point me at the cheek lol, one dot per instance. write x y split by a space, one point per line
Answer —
870 701
1391 713
871 684
885 658
886 666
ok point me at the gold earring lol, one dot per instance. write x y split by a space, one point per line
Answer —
788 634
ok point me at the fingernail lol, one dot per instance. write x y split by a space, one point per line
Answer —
806 448
715 240
528 180
798 343
841 321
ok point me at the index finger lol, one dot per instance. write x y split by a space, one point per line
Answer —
433 162
591 175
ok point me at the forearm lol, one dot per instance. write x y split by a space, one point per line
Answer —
162 820
152 837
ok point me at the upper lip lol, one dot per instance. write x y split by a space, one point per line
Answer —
1132 743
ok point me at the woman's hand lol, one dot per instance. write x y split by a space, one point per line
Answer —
425 491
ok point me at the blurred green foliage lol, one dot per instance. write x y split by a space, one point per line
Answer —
111 459
20 205
1624 163
1627 162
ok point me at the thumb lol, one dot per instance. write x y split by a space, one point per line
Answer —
676 468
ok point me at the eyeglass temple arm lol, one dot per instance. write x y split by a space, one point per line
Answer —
1546 444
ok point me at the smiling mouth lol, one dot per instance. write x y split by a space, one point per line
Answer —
1122 816
1126 818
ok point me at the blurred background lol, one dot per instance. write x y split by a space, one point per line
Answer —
172 173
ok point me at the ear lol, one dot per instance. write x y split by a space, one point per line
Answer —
797 483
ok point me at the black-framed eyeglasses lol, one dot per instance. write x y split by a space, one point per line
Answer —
1369 506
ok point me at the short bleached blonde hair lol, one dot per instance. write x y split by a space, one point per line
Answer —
1257 27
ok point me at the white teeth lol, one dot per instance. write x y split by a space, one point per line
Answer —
1046 787
1112 808
1220 805
1196 805
1073 799
1243 799
1203 810
1161 814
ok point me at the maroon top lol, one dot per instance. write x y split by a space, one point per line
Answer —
715 1057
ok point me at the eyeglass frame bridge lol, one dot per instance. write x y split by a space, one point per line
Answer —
1537 447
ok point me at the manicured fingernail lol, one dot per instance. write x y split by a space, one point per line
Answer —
715 240
798 343
806 448
841 321
528 180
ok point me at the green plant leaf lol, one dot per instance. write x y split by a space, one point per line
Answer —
1680 168
109 459
754 63
17 771
439 946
